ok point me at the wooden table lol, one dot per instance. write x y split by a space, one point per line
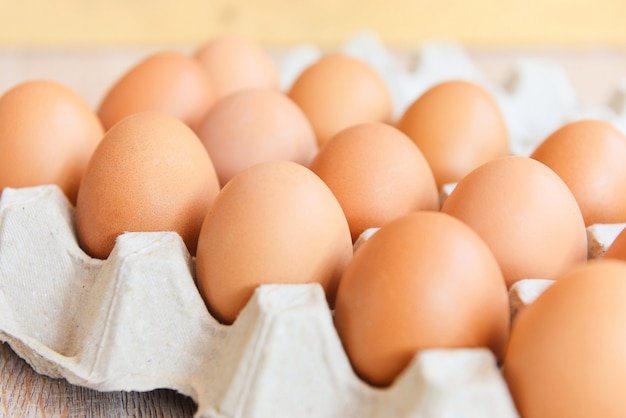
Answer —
24 393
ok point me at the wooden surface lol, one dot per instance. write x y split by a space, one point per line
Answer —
284 22
24 393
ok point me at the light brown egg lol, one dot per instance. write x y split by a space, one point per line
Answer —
425 280
338 91
47 134
236 63
565 356
377 174
166 81
590 156
252 126
458 125
150 172
275 222
525 213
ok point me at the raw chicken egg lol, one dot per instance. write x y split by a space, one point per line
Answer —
565 356
150 172
590 156
275 222
338 91
424 280
252 126
237 63
458 125
377 174
525 213
168 82
47 134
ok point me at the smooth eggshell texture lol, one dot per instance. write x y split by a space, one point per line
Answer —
166 81
150 172
275 222
338 91
425 280
590 156
377 174
47 134
525 213
237 63
458 125
565 356
252 126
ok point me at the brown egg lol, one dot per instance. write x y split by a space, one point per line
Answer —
590 156
458 125
338 91
252 126
150 172
275 222
565 356
236 63
168 82
47 134
617 249
425 280
525 213
377 174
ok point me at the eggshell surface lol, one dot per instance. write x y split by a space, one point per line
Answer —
253 126
589 156
565 356
47 135
150 172
425 280
377 174
338 91
458 126
525 213
275 222
166 81
236 63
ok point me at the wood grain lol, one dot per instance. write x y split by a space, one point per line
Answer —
24 393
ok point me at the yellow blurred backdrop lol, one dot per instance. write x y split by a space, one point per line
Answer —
489 23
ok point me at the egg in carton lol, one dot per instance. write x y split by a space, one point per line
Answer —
104 324
137 322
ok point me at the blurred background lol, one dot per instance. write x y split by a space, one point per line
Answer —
401 23
87 44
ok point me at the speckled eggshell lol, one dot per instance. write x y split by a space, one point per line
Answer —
338 91
236 63
47 134
275 222
252 126
167 81
150 172
590 156
565 356
377 174
458 125
425 280
525 213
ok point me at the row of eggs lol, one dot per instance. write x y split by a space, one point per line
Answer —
209 147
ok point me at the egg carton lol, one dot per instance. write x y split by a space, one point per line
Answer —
136 321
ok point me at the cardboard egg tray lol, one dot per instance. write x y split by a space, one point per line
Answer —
137 322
